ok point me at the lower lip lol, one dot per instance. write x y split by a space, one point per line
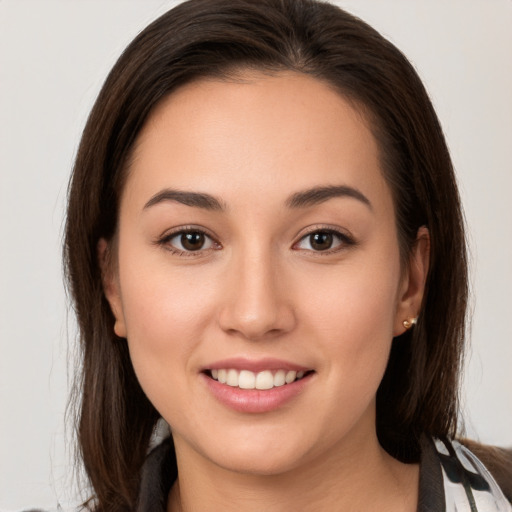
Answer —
256 400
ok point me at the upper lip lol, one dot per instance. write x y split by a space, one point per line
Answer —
255 365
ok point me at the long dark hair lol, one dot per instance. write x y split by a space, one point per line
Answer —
218 38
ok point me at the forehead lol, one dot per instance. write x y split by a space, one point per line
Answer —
257 133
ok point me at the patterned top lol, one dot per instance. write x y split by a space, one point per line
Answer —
452 479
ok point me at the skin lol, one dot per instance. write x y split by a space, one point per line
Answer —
258 288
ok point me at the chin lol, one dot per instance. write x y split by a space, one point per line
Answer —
258 462
260 451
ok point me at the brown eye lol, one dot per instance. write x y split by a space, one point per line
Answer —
188 241
321 240
192 241
324 240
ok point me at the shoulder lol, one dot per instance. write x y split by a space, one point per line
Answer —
454 478
498 462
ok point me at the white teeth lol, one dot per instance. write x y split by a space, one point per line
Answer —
290 377
280 378
265 380
246 379
232 378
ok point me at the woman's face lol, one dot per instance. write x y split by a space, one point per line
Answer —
256 243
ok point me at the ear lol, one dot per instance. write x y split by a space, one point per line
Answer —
111 289
412 286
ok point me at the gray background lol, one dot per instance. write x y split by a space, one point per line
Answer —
54 56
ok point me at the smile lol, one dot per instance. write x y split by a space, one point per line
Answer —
256 385
246 379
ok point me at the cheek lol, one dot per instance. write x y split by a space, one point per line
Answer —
351 310
355 298
166 312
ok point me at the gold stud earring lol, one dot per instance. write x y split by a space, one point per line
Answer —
409 323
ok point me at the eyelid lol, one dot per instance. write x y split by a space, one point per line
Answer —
164 239
346 238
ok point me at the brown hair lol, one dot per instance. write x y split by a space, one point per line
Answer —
215 38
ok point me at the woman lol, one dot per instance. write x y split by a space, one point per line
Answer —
265 248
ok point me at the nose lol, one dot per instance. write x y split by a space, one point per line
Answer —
256 304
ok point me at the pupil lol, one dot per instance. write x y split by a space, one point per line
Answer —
321 241
192 241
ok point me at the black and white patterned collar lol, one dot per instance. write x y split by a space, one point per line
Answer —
452 479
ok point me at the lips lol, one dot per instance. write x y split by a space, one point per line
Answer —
256 386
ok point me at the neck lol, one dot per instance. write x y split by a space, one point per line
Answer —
358 475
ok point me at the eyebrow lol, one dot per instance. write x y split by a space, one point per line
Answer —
194 199
303 199
317 195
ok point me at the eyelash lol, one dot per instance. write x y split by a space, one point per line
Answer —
165 240
345 241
